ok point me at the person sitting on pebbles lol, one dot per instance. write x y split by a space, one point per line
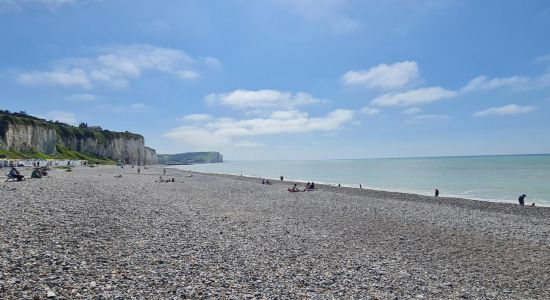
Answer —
310 186
36 173
294 188
14 173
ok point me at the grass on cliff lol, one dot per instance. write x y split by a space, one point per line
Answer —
66 153
61 153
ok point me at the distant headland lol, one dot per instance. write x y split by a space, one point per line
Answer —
190 158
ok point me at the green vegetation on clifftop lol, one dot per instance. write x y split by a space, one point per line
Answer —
62 153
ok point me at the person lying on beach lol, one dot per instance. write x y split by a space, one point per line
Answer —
294 188
166 180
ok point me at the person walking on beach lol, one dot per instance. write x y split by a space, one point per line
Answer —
281 177
164 172
436 192
139 170
521 199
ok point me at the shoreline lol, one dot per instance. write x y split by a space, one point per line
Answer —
350 186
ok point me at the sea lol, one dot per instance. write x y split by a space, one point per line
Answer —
500 178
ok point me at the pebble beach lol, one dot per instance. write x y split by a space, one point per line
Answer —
110 233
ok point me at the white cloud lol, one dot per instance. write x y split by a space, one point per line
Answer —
426 118
213 62
82 97
14 5
261 99
63 77
137 106
431 117
384 76
52 3
188 74
115 66
61 116
510 109
197 118
370 111
411 111
483 83
248 144
197 137
544 59
327 14
414 97
223 131
299 123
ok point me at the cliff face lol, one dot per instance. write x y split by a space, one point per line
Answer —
150 156
24 137
20 134
129 149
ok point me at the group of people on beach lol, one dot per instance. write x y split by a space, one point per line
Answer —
310 186
166 180
38 172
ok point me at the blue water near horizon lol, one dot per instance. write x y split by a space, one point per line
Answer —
492 178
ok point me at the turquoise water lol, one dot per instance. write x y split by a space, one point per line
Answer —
492 178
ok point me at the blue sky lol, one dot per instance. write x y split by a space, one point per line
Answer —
284 79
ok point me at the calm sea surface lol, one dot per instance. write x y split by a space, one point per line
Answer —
492 178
